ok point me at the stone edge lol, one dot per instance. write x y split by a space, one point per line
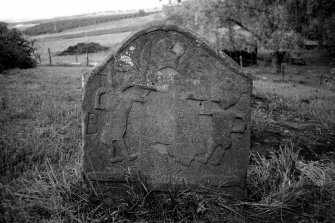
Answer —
226 60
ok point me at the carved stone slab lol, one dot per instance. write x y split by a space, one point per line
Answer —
168 105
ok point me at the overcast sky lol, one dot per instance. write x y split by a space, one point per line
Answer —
18 10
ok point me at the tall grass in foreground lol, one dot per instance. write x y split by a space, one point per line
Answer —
285 183
281 188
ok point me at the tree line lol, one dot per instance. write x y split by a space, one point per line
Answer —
275 25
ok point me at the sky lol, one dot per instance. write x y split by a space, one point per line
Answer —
23 10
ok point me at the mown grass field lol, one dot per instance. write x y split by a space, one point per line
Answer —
289 179
60 25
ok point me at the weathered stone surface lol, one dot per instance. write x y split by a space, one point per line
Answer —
168 105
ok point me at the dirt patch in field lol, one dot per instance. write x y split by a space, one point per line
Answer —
274 124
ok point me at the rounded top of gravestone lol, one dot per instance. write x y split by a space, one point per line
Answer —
226 60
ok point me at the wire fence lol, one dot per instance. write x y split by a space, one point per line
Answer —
94 57
89 58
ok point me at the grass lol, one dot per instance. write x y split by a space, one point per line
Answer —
108 40
41 181
39 118
315 103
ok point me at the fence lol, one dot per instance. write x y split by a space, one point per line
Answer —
243 58
95 57
76 58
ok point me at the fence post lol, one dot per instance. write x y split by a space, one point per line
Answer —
87 60
282 71
241 61
76 58
83 82
50 62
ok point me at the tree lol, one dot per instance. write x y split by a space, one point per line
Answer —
266 20
320 24
15 51
314 19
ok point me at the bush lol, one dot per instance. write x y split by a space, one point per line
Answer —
141 12
81 48
15 51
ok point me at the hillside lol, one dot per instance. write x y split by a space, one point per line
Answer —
75 22
110 27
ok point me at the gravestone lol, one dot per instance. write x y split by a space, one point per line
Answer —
169 106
